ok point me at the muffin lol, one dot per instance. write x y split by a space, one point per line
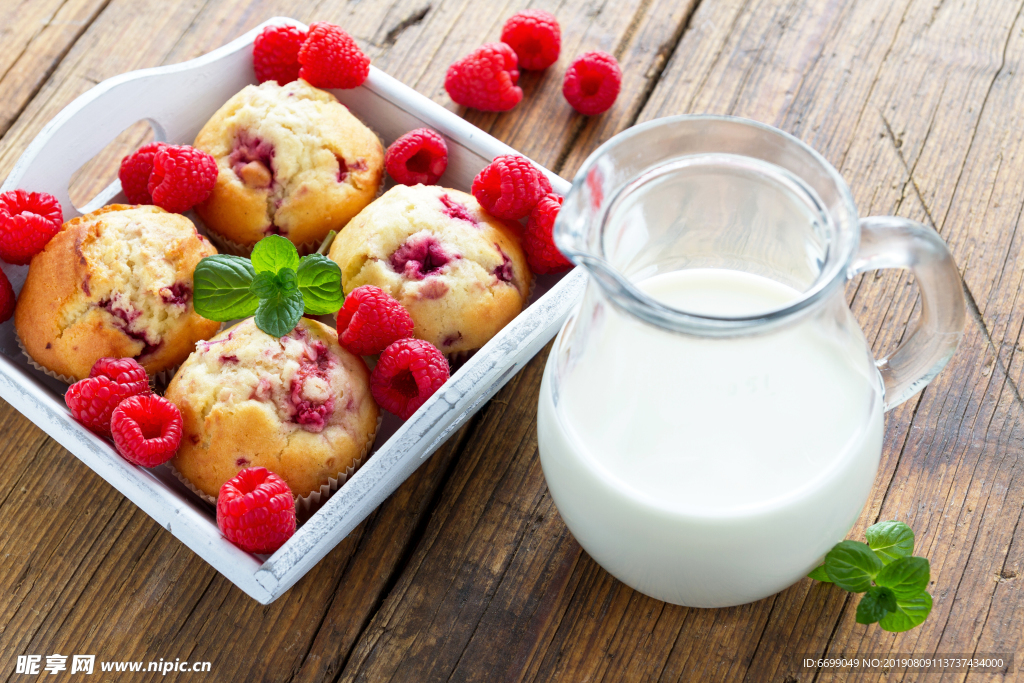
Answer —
114 283
459 272
292 161
299 406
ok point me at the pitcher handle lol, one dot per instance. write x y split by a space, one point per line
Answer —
891 242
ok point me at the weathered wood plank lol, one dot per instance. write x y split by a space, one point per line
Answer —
36 34
495 565
745 69
210 612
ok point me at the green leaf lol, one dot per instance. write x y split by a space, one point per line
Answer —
265 285
818 574
287 280
875 605
885 597
320 283
890 540
272 253
852 565
907 577
908 614
221 288
278 315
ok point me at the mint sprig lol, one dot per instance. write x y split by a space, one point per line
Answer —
894 582
275 285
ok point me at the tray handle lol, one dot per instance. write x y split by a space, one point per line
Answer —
176 100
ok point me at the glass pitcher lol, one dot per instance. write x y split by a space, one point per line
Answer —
710 418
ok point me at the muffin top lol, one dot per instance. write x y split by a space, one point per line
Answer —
292 160
299 405
459 272
116 282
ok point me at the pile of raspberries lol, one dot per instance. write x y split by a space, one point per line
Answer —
486 78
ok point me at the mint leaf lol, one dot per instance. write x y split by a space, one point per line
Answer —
907 577
266 284
287 280
319 281
875 605
273 253
908 614
852 565
278 315
890 540
221 288
885 597
818 574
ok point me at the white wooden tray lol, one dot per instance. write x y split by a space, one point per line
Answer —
177 100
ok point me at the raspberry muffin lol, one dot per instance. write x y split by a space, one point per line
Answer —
114 283
299 406
459 272
292 161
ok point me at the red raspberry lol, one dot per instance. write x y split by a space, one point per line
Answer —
135 171
541 252
182 177
535 36
330 58
275 54
124 371
28 221
592 83
510 186
371 320
7 298
92 401
146 429
407 374
256 510
485 79
419 156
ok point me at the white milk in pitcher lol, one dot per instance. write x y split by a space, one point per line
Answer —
713 471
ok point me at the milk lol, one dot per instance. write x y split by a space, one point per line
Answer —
710 471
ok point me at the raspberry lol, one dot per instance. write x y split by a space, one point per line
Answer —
28 221
419 156
182 177
124 371
7 298
592 83
135 171
485 79
330 58
92 401
275 54
370 320
541 252
407 374
510 186
146 429
535 36
256 510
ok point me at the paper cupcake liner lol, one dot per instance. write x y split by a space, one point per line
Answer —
226 246
40 368
305 505
206 497
159 381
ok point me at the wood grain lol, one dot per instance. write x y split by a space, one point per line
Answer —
467 572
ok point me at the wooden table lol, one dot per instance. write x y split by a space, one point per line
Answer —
467 572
